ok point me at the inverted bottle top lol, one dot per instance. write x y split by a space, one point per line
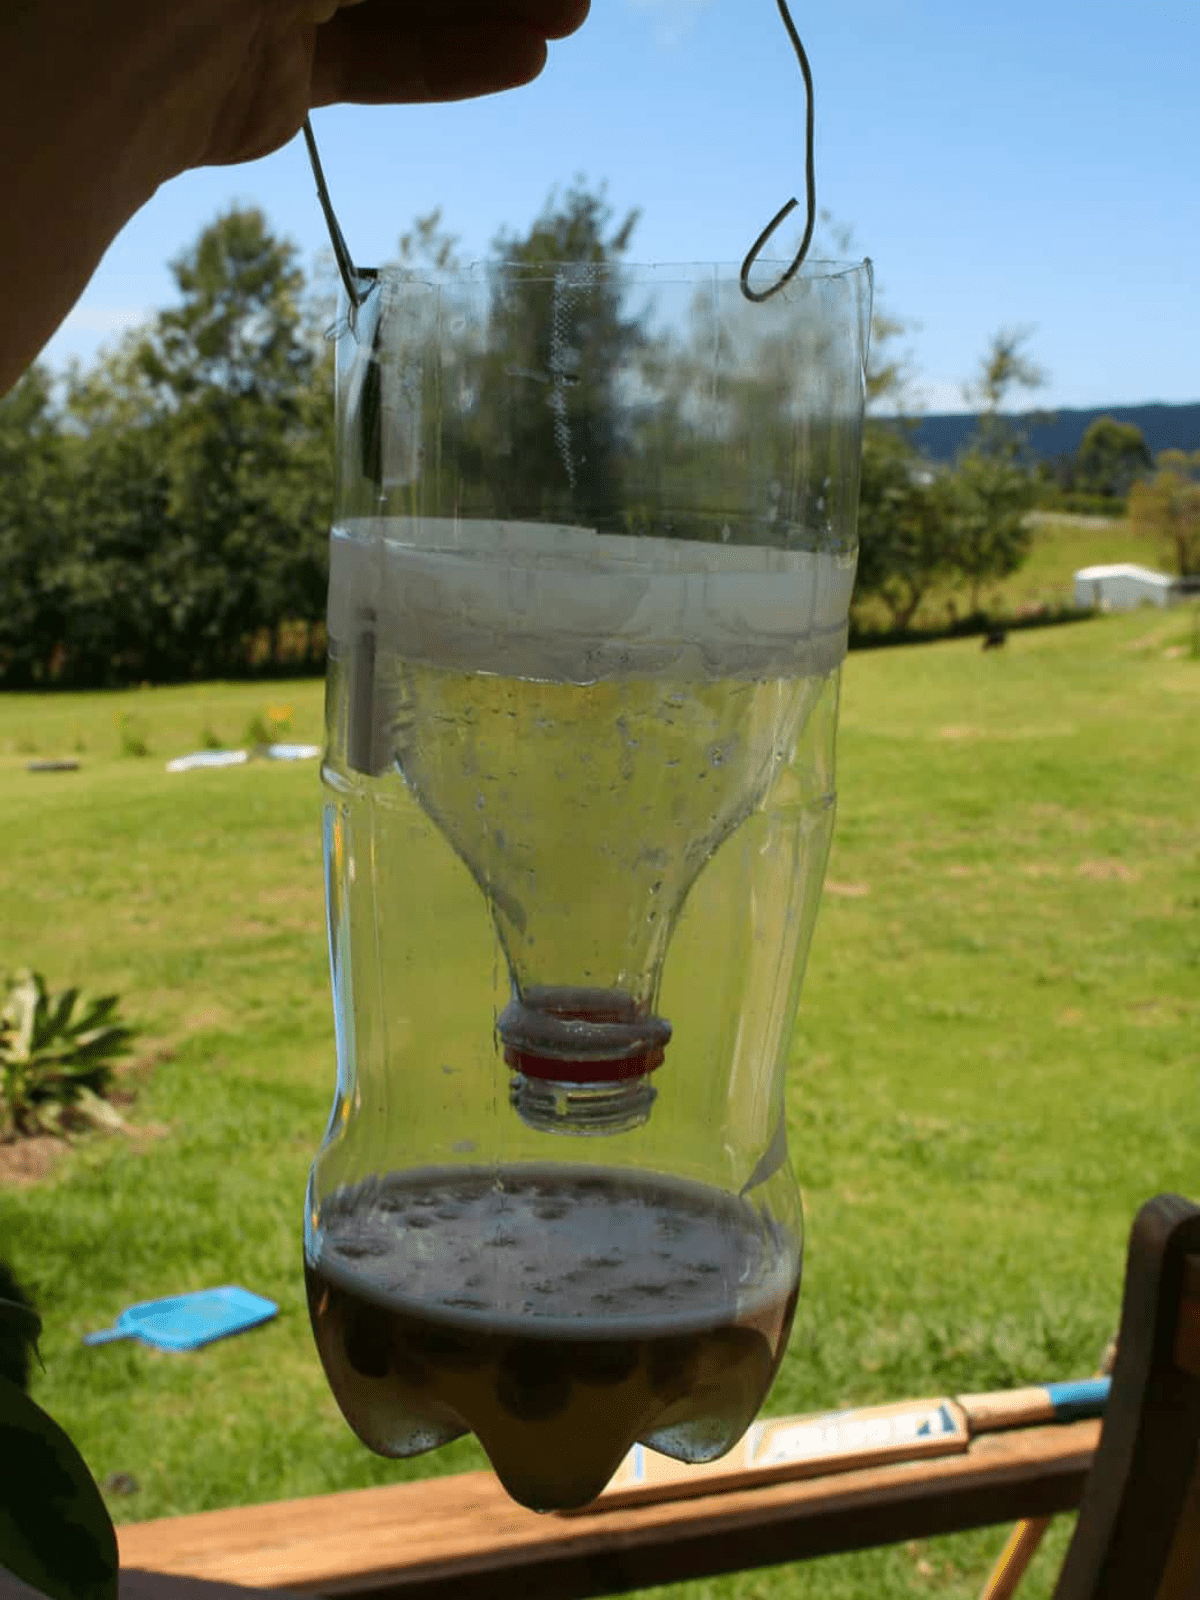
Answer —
569 605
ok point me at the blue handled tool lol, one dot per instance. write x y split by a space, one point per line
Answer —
187 1321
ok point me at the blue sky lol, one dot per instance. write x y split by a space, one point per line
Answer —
1018 165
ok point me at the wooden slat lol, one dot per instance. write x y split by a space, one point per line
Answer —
462 1538
153 1586
1136 1498
1187 1329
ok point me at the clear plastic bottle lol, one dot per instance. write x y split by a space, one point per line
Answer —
588 605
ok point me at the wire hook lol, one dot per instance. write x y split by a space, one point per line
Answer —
350 275
352 279
810 183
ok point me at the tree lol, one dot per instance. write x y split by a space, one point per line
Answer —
557 347
121 586
905 536
991 492
1003 368
988 501
1167 508
903 531
1110 456
33 527
232 371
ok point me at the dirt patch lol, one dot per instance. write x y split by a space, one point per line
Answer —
955 732
27 1161
144 1134
153 1053
1040 869
847 891
288 895
36 1159
207 1019
1109 870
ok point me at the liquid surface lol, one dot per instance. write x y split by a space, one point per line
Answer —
559 1313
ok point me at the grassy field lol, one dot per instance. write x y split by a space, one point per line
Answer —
997 1059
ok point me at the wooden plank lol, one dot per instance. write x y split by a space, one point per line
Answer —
1181 1577
462 1538
158 1586
1136 1498
1187 1329
153 1586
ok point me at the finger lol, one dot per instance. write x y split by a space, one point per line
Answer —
553 19
366 57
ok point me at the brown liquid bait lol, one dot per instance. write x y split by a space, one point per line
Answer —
559 1313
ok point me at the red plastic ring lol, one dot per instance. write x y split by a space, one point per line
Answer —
552 1069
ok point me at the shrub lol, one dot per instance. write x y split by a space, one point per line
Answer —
131 736
269 729
56 1055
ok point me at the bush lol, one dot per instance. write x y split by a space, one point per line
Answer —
269 729
131 736
56 1055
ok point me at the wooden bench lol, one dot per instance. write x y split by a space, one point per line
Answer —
462 1538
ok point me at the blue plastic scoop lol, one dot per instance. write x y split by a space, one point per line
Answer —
186 1321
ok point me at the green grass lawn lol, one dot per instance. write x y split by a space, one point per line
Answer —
996 1063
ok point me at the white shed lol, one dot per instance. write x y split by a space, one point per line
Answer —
1122 586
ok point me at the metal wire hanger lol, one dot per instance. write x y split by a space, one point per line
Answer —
352 278
810 183
356 283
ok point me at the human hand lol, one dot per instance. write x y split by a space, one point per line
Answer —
272 61
101 101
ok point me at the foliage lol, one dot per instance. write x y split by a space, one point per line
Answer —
904 536
1111 455
131 736
269 727
989 498
1095 480
56 1054
920 526
173 510
32 505
233 371
992 489
1167 507
166 518
1004 366
546 476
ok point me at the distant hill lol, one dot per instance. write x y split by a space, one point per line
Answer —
1057 433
